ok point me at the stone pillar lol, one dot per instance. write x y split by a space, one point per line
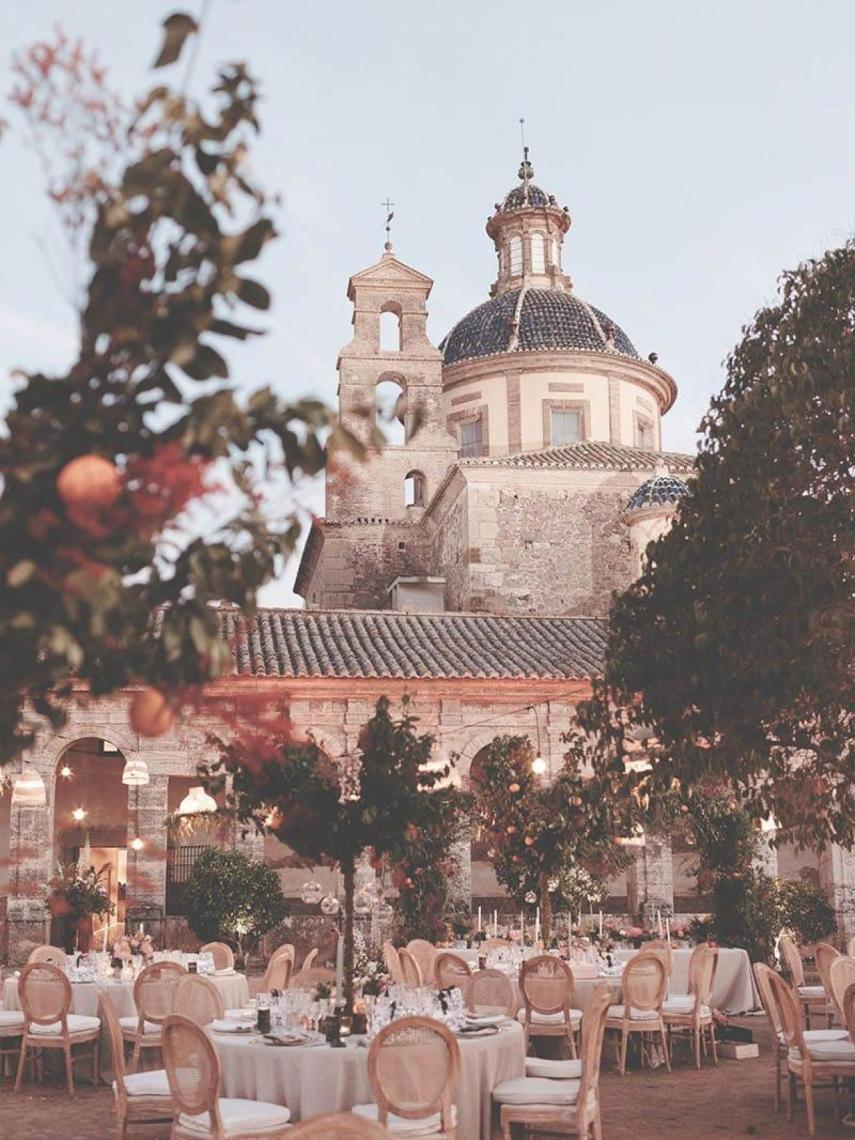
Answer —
146 889
461 884
766 858
30 847
650 881
837 875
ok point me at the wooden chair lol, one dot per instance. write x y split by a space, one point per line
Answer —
45 996
198 1113
781 1049
309 960
339 1126
644 984
411 974
811 998
393 962
850 949
154 997
841 975
12 1023
139 1098
547 986
316 975
808 1062
451 970
563 1106
278 974
222 953
52 955
663 951
849 1010
692 1012
491 991
424 953
824 954
414 1067
198 999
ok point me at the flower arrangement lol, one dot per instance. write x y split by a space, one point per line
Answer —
133 945
369 972
74 892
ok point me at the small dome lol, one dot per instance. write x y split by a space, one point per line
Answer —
549 320
526 194
659 491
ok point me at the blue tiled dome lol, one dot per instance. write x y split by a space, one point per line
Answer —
659 491
550 320
526 194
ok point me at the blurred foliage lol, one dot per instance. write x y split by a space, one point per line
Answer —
805 911
171 221
231 898
733 650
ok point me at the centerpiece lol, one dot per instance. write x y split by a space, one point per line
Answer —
75 895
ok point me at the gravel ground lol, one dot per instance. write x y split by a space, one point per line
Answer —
734 1099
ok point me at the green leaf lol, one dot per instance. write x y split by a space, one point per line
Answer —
176 30
253 293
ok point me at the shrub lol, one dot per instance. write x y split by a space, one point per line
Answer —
231 898
805 911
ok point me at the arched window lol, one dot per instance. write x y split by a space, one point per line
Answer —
555 254
414 489
390 330
538 254
389 411
515 254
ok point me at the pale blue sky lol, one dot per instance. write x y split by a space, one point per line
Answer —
701 148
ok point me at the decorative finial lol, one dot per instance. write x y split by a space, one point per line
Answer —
388 206
526 170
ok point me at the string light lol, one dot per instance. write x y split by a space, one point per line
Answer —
79 814
66 772
137 843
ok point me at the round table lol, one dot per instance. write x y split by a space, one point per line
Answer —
311 1080
233 989
734 989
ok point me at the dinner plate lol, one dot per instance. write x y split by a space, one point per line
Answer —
232 1026
478 1031
485 1019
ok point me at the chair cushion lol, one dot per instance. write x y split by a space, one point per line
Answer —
153 1083
679 1003
616 1011
11 1022
680 1009
828 1051
812 992
812 1035
553 1070
254 1117
131 1022
400 1126
536 1090
550 1018
77 1023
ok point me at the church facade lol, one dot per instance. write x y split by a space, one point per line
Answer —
514 478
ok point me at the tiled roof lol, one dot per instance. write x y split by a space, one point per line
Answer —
591 456
526 194
549 320
361 643
662 490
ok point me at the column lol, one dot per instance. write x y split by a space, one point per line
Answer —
837 875
146 888
461 883
650 881
30 852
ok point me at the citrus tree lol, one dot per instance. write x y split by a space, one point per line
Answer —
231 898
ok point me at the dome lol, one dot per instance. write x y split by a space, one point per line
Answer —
659 491
549 321
526 194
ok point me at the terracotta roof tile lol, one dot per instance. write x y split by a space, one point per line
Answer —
590 456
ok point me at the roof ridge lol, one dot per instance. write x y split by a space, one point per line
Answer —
232 609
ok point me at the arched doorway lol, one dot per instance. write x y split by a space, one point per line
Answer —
90 825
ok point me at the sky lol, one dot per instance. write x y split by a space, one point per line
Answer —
702 148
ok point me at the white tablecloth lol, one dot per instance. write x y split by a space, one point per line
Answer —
233 988
734 989
315 1080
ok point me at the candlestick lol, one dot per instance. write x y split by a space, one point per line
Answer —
601 924
495 924
537 926
659 922
522 925
668 929
339 969
479 920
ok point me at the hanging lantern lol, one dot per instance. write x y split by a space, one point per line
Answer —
384 911
135 773
530 897
197 800
330 906
362 903
311 892
538 765
137 843
29 789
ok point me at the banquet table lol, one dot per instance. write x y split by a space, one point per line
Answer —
312 1080
734 988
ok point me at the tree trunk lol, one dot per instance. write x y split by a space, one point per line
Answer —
545 911
349 872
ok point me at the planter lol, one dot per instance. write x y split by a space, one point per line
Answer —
84 933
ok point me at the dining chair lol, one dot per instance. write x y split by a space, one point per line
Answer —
278 974
841 975
692 1012
850 949
824 954
339 1126
198 1113
198 999
849 1010
309 960
52 955
45 996
11 1031
547 987
568 1106
451 970
781 1050
413 1069
222 953
154 998
644 983
811 998
411 974
139 1098
424 953
808 1061
491 991
393 962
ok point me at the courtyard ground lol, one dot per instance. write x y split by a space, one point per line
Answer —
734 1099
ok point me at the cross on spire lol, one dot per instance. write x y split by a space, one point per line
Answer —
389 207
526 171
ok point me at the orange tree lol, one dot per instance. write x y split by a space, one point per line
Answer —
103 466
544 836
381 799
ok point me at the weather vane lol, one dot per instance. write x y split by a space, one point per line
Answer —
389 207
526 171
